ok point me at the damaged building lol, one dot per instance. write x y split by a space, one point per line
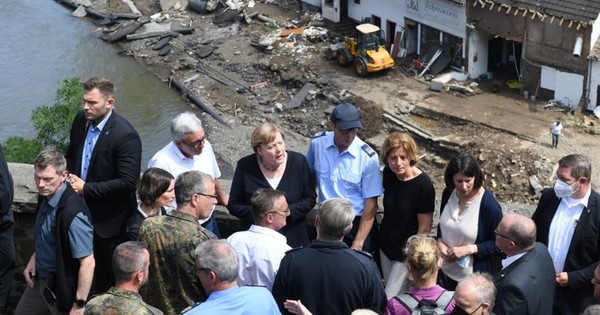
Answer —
548 49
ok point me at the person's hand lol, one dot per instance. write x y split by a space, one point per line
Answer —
357 245
29 273
444 251
296 307
76 310
562 279
459 252
77 183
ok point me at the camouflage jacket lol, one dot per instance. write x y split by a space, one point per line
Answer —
173 283
119 301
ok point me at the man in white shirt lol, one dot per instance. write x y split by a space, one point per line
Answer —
261 248
189 150
568 222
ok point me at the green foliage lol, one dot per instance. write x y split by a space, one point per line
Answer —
21 150
52 124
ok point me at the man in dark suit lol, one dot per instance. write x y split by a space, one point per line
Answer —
568 223
104 157
526 283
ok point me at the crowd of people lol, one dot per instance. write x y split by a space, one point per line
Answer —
109 241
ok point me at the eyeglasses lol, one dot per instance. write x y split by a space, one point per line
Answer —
195 144
504 236
209 196
285 213
595 281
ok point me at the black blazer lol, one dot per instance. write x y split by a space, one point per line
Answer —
584 251
526 287
114 168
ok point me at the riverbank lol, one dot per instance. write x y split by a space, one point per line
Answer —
222 63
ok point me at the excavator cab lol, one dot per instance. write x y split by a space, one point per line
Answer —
367 51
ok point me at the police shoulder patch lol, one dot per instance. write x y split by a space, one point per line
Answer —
368 150
319 134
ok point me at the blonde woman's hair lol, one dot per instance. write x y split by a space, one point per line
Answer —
422 254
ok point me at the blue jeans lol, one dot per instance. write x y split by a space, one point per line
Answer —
555 140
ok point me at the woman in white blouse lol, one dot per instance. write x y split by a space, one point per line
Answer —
468 219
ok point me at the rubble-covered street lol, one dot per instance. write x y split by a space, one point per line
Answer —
268 62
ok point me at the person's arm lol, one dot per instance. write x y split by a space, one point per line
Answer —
6 188
128 152
29 272
300 183
222 198
490 214
425 220
238 205
366 222
84 281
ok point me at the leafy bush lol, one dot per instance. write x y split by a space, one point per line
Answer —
52 124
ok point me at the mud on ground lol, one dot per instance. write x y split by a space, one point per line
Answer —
508 154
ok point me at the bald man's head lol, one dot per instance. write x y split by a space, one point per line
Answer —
520 229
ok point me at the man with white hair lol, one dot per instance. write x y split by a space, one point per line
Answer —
475 294
329 277
189 150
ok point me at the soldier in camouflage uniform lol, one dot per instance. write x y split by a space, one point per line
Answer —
171 240
130 263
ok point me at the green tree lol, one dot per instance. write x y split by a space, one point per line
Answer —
52 124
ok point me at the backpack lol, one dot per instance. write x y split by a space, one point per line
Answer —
425 306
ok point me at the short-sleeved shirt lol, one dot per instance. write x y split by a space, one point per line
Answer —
119 301
260 251
353 174
237 300
81 234
556 129
170 159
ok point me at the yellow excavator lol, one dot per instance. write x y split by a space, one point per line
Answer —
366 50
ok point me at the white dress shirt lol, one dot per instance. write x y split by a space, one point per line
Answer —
260 251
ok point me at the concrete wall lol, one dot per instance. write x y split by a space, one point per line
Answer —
594 84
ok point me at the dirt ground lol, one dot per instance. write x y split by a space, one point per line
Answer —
509 135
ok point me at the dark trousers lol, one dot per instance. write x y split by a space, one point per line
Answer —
103 251
7 260
371 244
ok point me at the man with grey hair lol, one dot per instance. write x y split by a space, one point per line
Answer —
130 263
261 248
217 268
568 222
171 240
329 277
526 282
189 150
475 294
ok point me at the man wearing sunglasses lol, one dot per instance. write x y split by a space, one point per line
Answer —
526 282
189 150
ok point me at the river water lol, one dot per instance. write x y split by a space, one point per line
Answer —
43 45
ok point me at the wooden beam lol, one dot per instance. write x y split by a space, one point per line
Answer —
561 21
570 23
544 17
492 6
508 10
552 19
524 12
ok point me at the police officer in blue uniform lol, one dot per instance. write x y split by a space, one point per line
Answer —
347 167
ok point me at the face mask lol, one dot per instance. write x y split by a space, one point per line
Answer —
459 311
562 189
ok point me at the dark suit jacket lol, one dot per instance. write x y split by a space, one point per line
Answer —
114 168
526 287
297 183
584 251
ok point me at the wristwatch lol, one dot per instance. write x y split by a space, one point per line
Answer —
80 303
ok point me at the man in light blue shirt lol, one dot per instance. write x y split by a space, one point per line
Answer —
347 167
217 267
